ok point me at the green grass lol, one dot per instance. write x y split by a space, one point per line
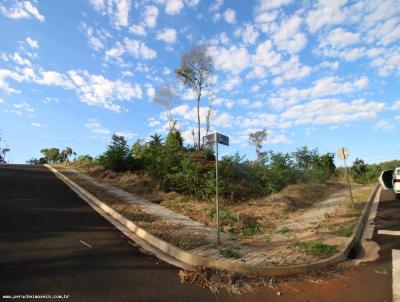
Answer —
344 232
284 231
230 252
224 215
249 231
316 248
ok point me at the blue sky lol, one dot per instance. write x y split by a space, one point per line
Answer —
317 73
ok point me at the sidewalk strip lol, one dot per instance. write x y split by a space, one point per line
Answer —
388 232
396 275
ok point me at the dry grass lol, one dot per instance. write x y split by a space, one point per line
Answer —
236 284
97 191
174 234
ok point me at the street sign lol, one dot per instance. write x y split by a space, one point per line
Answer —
222 139
343 153
209 139
216 138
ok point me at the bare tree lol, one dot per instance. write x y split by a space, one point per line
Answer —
166 97
208 118
257 139
195 72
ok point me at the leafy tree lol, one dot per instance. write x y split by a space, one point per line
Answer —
359 170
50 154
327 162
65 154
85 159
195 72
116 155
257 139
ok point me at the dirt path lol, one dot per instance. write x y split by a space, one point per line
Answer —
317 213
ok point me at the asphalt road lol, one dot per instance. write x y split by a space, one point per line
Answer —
53 243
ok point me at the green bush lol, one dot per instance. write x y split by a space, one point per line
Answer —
117 155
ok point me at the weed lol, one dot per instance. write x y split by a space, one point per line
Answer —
316 248
226 216
344 232
285 231
230 252
249 230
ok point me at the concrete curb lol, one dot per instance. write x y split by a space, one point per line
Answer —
192 261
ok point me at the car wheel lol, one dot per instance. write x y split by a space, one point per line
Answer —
397 195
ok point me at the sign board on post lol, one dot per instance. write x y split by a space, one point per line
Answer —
216 138
222 139
343 153
209 139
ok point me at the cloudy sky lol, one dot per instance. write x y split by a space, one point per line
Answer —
317 73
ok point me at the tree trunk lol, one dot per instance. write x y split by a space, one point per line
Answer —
198 121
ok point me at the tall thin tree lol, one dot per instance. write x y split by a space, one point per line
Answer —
195 72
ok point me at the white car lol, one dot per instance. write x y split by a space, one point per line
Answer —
390 180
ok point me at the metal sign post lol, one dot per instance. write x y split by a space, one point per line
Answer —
216 138
343 153
216 187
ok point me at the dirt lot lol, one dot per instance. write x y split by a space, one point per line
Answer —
304 221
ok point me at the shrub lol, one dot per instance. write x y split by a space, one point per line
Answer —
116 156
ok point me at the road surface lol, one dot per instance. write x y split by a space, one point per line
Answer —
53 243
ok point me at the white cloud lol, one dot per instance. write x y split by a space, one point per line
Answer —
117 10
150 16
16 57
333 111
173 7
167 35
21 10
385 126
216 5
115 53
326 86
37 125
231 83
138 49
31 42
331 65
53 78
339 38
230 16
290 70
97 90
233 59
249 34
137 30
288 37
150 91
96 38
95 127
272 4
152 122
4 75
222 120
325 13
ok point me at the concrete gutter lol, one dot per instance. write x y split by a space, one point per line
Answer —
187 260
